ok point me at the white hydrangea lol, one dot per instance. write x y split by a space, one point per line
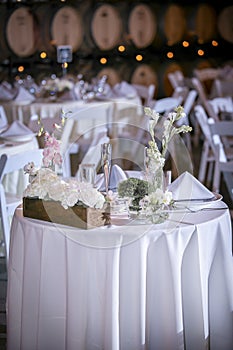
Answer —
47 185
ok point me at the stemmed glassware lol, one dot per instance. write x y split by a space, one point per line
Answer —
106 159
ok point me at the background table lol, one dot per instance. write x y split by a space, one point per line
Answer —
127 287
47 109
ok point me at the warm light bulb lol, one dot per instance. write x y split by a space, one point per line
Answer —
214 43
121 48
170 54
185 43
103 60
20 69
201 52
43 55
139 58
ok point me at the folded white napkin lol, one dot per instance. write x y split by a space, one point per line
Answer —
17 128
117 175
124 89
7 93
24 95
186 186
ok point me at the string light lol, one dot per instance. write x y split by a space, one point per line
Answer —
139 58
170 54
214 43
43 55
121 48
185 43
103 60
20 69
200 52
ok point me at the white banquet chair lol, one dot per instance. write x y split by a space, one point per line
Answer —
176 78
3 118
222 88
167 104
216 155
146 93
222 106
10 201
93 154
223 165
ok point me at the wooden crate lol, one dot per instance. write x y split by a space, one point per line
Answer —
76 216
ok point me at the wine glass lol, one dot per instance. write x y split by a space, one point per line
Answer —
106 159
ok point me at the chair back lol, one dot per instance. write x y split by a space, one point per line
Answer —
93 154
176 78
166 104
146 93
203 122
222 104
14 162
3 118
223 162
202 98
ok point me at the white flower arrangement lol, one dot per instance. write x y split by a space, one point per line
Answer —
153 204
58 85
47 185
169 131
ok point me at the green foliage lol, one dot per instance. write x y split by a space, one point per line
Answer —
133 188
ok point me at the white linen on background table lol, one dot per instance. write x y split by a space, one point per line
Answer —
126 287
45 109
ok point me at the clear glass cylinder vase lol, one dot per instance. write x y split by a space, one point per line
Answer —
155 176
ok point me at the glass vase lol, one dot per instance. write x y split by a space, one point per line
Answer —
153 171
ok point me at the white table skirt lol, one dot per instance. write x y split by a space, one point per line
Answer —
131 286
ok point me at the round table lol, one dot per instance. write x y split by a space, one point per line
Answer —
128 286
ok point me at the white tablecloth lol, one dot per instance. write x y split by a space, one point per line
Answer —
127 287
46 109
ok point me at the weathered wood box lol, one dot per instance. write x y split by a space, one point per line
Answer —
76 216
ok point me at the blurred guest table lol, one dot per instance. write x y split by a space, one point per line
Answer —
133 285
44 108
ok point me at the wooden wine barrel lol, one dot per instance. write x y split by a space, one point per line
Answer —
21 32
5 51
202 22
113 75
144 74
142 25
60 26
165 85
224 23
106 27
174 24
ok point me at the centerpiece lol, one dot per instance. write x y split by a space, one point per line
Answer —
55 88
70 202
150 197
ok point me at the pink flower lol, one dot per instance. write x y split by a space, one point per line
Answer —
57 159
51 152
